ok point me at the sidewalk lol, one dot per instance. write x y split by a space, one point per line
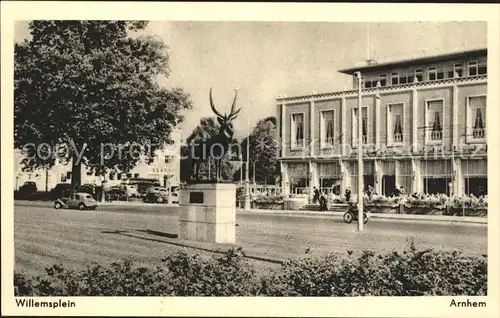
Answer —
388 216
409 217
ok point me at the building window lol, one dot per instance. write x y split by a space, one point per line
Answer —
395 79
136 175
68 175
89 173
440 73
404 78
405 175
435 120
129 176
327 128
168 159
382 80
437 176
458 71
475 173
370 81
368 174
477 117
329 177
118 176
297 130
481 68
395 123
299 181
419 75
477 68
432 72
111 176
364 127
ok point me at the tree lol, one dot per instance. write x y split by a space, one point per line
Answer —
91 87
263 151
207 128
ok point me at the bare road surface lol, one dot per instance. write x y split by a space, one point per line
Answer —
44 236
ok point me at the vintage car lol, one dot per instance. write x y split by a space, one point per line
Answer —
78 200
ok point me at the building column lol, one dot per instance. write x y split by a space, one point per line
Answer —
397 164
346 180
458 180
378 176
285 183
311 183
377 122
414 125
416 176
315 175
343 125
312 138
454 117
283 130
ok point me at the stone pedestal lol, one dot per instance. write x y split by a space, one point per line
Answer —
207 212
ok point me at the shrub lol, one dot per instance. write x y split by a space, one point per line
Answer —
409 273
406 273
267 198
469 202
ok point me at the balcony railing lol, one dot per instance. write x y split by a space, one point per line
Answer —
298 143
478 133
398 137
436 135
328 141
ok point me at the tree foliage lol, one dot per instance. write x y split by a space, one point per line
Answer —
263 151
92 86
207 128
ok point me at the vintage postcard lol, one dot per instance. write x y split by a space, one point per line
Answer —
250 159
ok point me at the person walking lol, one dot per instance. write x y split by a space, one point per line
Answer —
348 194
316 195
323 205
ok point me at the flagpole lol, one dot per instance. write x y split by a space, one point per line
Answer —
360 155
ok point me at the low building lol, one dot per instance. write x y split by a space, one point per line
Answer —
423 129
165 168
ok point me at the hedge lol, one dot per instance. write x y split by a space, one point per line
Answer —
406 273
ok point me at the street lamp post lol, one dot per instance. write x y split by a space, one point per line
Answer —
247 177
360 155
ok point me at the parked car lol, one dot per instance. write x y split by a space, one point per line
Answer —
87 188
131 190
115 193
78 200
155 197
29 187
60 190
175 198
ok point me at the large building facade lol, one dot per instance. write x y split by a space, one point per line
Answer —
423 128
165 168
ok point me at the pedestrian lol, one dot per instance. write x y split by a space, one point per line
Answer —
397 192
370 192
323 206
348 194
316 195
401 190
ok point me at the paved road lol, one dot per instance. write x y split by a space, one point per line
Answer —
45 236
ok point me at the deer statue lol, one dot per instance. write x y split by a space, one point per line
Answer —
216 146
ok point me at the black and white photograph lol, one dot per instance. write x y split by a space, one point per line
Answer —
178 157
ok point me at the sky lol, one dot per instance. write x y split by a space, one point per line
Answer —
266 59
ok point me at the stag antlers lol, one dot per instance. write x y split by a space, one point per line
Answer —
233 113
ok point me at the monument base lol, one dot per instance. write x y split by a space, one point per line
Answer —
207 212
